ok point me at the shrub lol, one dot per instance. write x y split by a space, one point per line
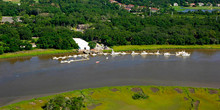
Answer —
1 50
62 103
92 44
139 95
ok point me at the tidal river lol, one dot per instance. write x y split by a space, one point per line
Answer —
26 78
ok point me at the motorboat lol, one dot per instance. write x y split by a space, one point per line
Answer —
115 53
167 54
105 54
55 58
63 57
133 53
157 53
85 55
178 54
65 61
185 54
94 54
74 56
123 53
144 53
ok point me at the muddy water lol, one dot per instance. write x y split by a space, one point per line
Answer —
25 78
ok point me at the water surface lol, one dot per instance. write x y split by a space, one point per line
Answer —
25 78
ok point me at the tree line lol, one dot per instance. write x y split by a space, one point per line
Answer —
53 21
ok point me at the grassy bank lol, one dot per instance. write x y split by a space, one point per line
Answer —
156 47
115 98
34 53
179 8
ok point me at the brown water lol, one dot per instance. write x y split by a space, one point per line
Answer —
25 78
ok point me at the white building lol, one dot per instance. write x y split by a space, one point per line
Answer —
83 45
175 4
201 4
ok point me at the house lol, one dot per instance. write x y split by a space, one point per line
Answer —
201 4
120 4
130 6
175 4
209 4
218 5
9 19
154 9
113 1
123 5
83 45
33 45
141 7
192 4
128 9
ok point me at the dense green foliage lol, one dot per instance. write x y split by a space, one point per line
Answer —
92 44
165 3
53 21
139 95
62 103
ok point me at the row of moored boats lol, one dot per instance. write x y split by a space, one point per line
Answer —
181 53
83 57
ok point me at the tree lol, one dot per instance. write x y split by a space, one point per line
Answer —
62 103
92 44
24 33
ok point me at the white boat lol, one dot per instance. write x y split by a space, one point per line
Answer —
71 60
63 57
74 56
157 53
182 52
178 54
55 58
185 54
70 56
105 54
133 53
85 55
115 53
65 61
123 53
94 54
167 54
144 53
100 53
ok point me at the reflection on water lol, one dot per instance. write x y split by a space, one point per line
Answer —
31 76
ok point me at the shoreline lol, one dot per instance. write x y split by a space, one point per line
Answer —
160 47
106 92
37 52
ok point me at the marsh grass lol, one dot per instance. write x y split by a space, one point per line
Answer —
158 47
167 98
34 53
178 8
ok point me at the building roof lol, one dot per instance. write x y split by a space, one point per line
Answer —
9 19
82 43
155 9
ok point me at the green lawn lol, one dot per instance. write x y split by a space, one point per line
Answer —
120 98
155 47
34 53
18 1
178 8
